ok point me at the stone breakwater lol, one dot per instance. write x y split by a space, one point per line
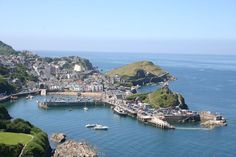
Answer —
71 148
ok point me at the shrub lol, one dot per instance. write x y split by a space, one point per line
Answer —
10 150
4 113
20 126
38 147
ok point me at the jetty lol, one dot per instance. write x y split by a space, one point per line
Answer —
55 101
159 122
138 112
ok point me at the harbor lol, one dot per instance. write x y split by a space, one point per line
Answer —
129 135
163 118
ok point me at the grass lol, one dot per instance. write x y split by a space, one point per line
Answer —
14 138
131 69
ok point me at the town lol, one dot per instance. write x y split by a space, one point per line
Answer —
77 77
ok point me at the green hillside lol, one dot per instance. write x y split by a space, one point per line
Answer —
131 70
17 133
140 73
161 98
6 49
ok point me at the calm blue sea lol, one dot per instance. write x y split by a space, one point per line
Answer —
208 82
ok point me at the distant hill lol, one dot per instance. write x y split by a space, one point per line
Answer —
6 49
141 72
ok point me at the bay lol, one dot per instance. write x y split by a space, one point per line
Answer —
208 82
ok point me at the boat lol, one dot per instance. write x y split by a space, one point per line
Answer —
14 97
85 108
120 111
90 125
29 97
100 127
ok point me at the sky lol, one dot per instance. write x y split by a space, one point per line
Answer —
157 26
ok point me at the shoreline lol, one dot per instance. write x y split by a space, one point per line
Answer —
20 94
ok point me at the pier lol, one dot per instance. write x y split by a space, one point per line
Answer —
141 115
158 122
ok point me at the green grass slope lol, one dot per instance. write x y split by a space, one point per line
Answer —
14 138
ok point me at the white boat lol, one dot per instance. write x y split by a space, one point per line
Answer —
29 97
100 127
120 111
90 125
85 108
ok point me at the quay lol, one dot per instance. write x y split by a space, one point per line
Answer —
158 122
141 115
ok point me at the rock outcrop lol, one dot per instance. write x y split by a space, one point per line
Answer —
58 137
211 120
213 123
75 149
164 98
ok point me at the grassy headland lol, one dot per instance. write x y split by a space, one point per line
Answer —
161 98
141 72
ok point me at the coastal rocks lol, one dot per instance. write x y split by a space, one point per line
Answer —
75 149
211 120
58 137
213 123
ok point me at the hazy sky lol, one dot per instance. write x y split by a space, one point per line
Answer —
164 26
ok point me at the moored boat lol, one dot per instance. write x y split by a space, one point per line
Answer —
90 125
29 97
120 111
101 127
14 97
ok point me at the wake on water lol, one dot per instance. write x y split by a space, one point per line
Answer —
186 128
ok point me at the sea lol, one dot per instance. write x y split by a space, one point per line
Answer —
207 82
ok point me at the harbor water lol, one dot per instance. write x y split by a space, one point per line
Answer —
207 82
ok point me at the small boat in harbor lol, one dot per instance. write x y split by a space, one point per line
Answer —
100 127
29 97
90 125
120 111
14 97
85 108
